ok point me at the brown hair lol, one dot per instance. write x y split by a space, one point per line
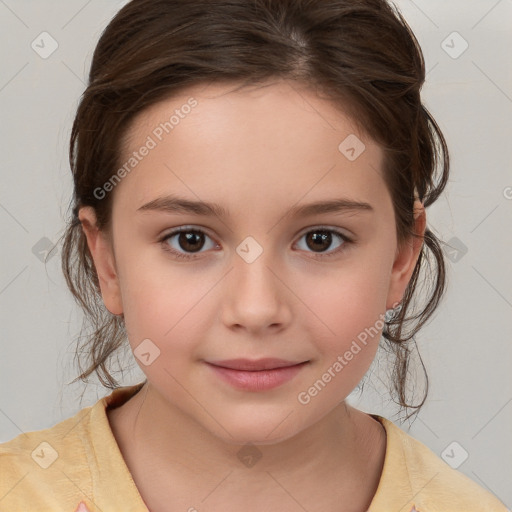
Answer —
361 54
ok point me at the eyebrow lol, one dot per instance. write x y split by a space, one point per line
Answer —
175 204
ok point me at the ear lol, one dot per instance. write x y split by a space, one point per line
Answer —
406 258
102 253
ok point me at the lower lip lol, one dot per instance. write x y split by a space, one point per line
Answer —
257 380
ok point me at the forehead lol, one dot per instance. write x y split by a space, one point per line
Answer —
277 141
274 107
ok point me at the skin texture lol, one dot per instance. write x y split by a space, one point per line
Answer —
257 153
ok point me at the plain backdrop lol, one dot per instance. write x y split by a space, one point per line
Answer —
466 348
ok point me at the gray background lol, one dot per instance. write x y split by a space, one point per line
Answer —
466 348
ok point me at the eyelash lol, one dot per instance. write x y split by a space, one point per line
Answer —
186 229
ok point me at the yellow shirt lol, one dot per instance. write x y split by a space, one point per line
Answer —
76 465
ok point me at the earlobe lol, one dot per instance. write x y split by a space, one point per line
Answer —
406 258
104 262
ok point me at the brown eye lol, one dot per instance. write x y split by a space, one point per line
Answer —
184 242
320 240
190 241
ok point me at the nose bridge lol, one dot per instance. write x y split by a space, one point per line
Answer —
251 274
257 297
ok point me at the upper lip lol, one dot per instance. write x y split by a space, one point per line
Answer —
267 363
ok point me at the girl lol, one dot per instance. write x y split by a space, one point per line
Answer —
250 180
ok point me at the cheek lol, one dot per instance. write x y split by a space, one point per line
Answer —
345 340
344 320
348 301
163 304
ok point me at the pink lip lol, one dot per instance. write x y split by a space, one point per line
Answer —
266 363
256 375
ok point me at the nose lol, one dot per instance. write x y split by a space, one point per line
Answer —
256 297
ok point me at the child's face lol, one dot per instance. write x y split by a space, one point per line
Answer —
257 154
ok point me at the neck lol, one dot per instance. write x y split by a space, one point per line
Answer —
340 448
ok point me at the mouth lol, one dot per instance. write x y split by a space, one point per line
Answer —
255 365
256 375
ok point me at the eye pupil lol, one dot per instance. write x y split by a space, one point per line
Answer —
321 239
192 241
188 241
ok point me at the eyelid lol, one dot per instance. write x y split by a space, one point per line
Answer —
341 231
302 232
347 239
186 229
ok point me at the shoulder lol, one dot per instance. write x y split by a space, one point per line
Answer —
72 466
432 483
39 467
